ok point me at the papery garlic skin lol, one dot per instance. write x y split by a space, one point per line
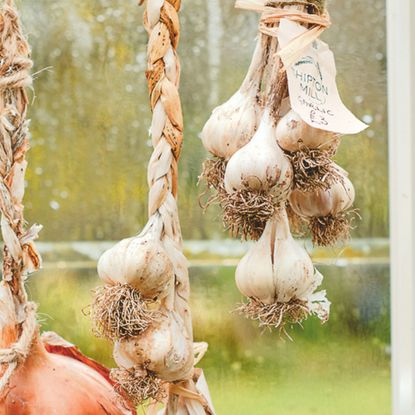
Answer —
234 123
277 268
293 133
261 165
163 349
337 198
141 262
231 125
254 274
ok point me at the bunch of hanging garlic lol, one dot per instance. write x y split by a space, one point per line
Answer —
132 309
267 159
257 165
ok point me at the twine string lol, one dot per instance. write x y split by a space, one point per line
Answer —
20 256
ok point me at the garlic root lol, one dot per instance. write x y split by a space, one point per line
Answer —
328 230
139 385
276 315
313 168
213 173
120 312
246 212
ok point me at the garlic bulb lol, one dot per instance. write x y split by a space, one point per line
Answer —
293 133
260 165
324 202
276 268
163 349
278 276
327 210
233 123
140 261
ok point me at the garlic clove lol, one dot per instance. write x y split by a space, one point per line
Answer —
254 274
293 271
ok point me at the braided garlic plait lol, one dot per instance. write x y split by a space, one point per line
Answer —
147 314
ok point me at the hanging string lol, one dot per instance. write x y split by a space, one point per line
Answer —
20 256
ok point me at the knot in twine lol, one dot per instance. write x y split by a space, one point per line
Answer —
271 15
18 352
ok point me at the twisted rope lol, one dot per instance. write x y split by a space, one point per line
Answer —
19 253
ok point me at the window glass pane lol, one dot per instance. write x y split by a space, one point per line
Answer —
87 182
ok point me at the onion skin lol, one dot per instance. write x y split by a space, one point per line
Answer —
49 384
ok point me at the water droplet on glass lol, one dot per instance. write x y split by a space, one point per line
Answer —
54 204
367 118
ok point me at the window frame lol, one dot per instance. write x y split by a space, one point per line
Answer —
401 95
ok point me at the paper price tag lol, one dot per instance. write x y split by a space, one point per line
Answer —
311 72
